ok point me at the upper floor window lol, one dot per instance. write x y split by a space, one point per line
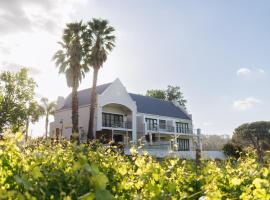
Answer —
151 124
112 120
162 124
182 127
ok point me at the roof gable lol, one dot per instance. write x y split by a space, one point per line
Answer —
84 96
145 104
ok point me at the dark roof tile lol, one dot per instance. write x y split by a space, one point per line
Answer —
145 104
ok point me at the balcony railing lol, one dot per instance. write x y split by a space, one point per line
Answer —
124 125
170 129
184 130
166 128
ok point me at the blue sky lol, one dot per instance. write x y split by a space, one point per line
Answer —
217 51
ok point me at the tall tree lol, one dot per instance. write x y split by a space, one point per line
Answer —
159 94
102 42
17 101
69 59
47 110
256 135
34 112
172 93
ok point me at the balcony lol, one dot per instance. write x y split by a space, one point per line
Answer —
117 125
167 129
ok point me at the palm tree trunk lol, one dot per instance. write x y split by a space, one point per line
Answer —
91 134
46 125
26 129
75 116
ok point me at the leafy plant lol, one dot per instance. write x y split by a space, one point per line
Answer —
44 170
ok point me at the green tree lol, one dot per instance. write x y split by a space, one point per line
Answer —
17 103
256 135
102 42
69 59
34 112
47 110
232 150
172 93
159 94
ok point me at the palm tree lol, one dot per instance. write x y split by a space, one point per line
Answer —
69 60
34 112
47 110
102 42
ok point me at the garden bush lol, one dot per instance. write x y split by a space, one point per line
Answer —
42 170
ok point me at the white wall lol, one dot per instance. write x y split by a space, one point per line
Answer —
65 115
116 94
207 155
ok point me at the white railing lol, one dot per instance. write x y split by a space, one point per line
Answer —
169 129
124 125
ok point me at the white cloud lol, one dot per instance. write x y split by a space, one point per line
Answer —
245 104
243 72
35 15
13 67
247 72
261 71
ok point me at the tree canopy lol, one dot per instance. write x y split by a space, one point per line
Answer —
255 134
17 103
172 93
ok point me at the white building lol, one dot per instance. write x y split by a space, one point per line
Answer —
125 117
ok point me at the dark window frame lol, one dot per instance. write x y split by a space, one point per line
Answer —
162 124
151 124
182 127
183 144
112 120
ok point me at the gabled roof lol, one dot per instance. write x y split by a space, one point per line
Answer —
148 105
84 96
155 106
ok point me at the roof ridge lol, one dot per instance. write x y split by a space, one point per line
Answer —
152 97
96 86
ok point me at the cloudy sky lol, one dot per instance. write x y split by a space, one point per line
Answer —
217 51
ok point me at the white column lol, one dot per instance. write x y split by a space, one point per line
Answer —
150 137
99 118
134 127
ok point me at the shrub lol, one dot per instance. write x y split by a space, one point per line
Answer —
232 150
41 170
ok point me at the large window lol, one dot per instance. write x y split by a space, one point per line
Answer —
151 124
182 127
162 124
183 144
112 120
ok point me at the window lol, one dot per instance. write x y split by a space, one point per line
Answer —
151 124
112 120
182 127
183 144
162 124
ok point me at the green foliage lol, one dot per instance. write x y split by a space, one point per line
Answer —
70 61
172 93
232 150
47 109
17 104
255 135
40 170
159 94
